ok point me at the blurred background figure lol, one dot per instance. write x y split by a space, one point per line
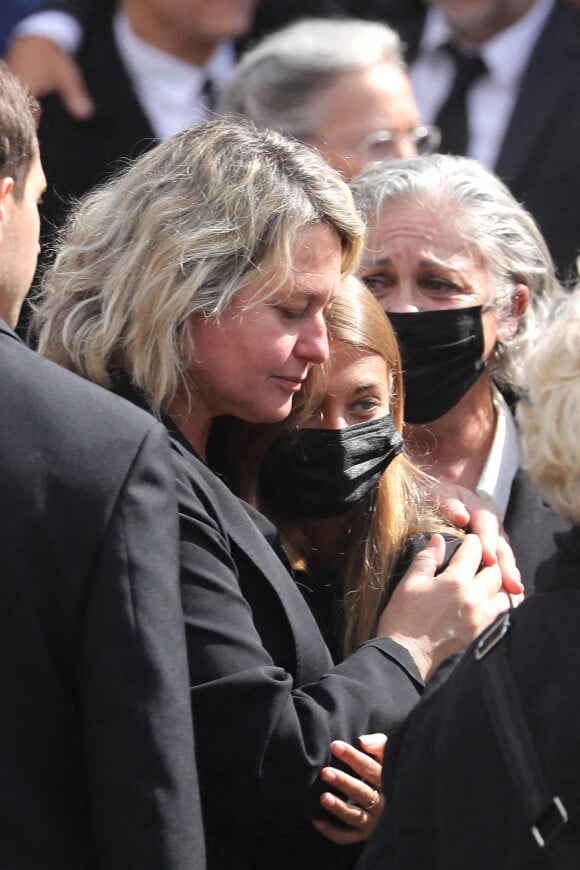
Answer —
508 717
11 12
152 69
468 282
501 74
339 85
510 70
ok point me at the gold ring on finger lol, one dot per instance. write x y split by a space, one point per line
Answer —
374 801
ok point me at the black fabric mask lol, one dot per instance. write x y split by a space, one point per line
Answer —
441 353
324 472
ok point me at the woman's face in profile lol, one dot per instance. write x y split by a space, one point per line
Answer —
416 260
253 360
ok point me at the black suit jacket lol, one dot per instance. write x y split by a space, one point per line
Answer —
450 797
96 753
76 155
266 698
530 524
539 159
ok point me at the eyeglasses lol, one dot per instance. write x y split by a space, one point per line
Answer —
383 144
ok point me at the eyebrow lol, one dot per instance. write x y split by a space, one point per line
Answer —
423 264
372 386
383 261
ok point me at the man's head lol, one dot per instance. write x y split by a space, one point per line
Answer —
22 183
189 29
338 84
478 20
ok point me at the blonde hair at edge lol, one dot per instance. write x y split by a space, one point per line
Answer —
550 424
177 235
402 503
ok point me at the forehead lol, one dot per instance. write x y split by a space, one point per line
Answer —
420 229
350 367
379 97
314 270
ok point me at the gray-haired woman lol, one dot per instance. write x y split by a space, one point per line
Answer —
467 280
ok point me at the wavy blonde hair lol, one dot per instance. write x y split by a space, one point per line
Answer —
177 235
550 420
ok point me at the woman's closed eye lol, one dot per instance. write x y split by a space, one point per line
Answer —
379 285
439 285
291 313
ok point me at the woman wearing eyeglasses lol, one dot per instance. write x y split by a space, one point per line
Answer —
339 85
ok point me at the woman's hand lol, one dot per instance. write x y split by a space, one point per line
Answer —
364 800
464 508
435 616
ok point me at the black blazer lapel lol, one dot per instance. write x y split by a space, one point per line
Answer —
5 330
312 656
552 78
124 128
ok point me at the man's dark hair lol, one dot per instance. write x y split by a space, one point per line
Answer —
19 116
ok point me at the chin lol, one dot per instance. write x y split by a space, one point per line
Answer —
272 415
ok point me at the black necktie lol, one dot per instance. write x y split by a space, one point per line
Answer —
452 116
209 95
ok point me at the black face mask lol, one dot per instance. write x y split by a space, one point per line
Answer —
320 473
441 353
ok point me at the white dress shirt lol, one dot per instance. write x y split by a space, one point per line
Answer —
491 99
169 89
503 459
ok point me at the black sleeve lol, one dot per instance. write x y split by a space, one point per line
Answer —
133 681
85 11
261 738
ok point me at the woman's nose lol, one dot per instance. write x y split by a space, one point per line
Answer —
333 420
401 301
312 342
405 147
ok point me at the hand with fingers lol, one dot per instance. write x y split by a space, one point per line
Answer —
465 509
45 68
433 615
363 802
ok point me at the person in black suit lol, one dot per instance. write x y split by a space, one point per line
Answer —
468 283
152 69
96 752
483 773
538 121
203 275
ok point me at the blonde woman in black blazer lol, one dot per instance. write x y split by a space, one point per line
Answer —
198 283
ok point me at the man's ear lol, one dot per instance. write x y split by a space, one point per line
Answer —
520 299
6 187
